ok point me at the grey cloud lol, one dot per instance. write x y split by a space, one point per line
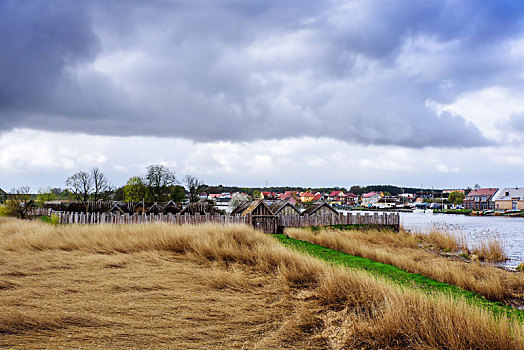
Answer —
516 122
229 70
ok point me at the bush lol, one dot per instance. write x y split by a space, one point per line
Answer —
3 211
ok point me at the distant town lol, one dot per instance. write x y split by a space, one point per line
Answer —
159 191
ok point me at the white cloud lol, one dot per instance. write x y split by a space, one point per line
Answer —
39 159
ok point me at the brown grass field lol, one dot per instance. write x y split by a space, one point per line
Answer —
406 250
211 287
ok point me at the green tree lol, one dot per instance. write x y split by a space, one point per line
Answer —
134 190
456 197
257 194
158 181
45 195
178 193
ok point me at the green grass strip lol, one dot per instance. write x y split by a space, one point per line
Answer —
397 275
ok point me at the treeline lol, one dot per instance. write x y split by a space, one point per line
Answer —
358 190
250 190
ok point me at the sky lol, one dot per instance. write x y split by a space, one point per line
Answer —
307 93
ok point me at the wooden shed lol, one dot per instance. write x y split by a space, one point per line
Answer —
256 207
283 207
201 207
319 209
155 208
3 196
171 207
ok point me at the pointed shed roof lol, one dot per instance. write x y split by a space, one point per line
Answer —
278 205
315 207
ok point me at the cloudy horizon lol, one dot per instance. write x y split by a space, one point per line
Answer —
305 93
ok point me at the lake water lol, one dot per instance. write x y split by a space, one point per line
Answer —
475 228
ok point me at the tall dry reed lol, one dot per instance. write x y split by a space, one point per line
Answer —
403 250
344 309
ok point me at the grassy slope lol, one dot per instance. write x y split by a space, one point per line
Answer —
395 274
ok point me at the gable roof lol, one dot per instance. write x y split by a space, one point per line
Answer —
514 192
483 192
336 193
307 194
2 192
255 204
315 207
370 194
278 205
241 208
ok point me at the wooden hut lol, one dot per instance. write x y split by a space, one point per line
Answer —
155 208
283 207
139 208
256 207
3 196
201 207
118 209
171 207
319 209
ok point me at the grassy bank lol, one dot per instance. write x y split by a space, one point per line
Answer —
424 255
397 275
210 286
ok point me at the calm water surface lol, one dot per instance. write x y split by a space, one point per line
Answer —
475 228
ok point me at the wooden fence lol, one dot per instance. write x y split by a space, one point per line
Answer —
266 223
381 219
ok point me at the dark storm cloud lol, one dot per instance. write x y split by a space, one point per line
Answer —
39 40
361 71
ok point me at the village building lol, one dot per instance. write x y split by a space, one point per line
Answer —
370 198
337 197
268 195
255 207
318 197
480 199
289 196
351 199
319 209
307 197
283 207
509 199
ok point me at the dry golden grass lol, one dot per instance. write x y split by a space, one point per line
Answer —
403 250
163 286
490 249
444 240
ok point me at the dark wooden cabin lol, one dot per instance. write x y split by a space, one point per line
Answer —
319 209
283 207
256 207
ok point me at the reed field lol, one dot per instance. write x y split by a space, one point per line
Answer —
423 254
213 287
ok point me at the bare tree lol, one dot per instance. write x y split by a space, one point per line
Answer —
19 202
158 181
194 187
80 185
100 183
